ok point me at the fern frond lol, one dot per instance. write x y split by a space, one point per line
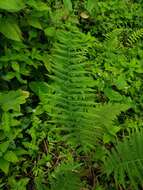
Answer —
126 160
66 177
135 36
72 92
71 102
112 40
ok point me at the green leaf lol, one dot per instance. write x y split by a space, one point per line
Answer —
12 5
18 184
120 82
90 5
106 138
40 88
15 66
4 146
6 121
10 29
11 157
68 4
50 31
9 76
35 23
4 165
38 5
13 99
20 151
113 95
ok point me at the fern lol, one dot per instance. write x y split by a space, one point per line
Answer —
102 125
112 40
135 36
126 160
72 93
114 34
71 104
66 177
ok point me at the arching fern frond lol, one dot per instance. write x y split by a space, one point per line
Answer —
70 101
71 93
126 160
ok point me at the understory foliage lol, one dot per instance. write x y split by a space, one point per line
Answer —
71 95
127 159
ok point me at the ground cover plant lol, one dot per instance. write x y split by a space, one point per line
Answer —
71 95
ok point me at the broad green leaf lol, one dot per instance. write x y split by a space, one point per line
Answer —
90 5
113 95
38 5
10 29
13 99
107 138
15 66
45 59
4 146
120 82
68 4
4 165
50 31
2 136
6 121
11 157
20 151
35 23
12 5
40 88
9 76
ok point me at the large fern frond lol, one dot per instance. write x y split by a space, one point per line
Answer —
71 93
71 103
126 160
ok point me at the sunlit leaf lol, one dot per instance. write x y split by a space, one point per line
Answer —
4 146
13 99
35 23
12 5
10 29
4 165
11 157
50 31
